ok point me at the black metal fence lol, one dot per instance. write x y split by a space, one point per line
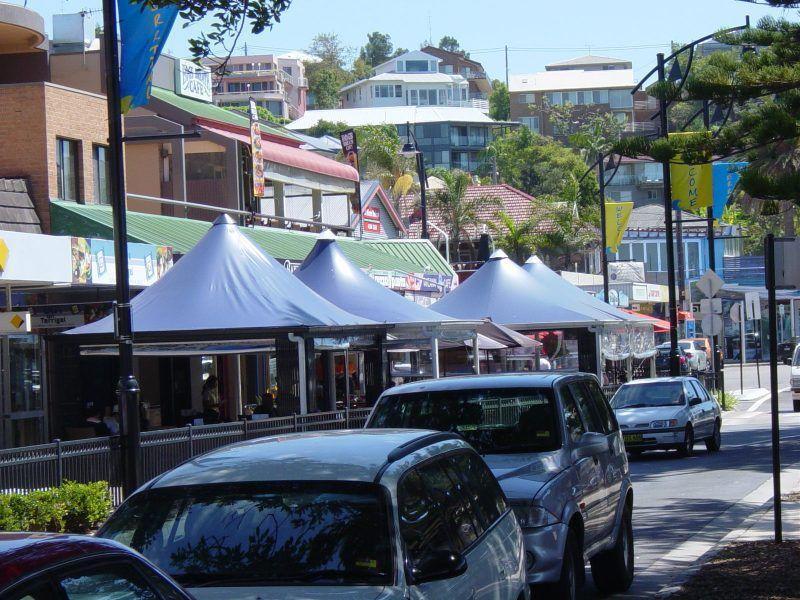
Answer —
97 459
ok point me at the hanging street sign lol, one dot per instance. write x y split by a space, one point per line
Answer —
15 322
712 325
710 283
736 313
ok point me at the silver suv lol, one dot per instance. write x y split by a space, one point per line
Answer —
555 446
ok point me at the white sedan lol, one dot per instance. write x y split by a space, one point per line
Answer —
695 354
667 413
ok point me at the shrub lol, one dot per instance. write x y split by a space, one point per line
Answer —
70 508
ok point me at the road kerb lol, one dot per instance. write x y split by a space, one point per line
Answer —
687 558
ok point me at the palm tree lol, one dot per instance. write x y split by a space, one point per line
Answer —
457 213
516 239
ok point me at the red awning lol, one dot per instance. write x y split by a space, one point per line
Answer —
659 325
287 156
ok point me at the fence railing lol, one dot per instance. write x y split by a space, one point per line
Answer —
48 465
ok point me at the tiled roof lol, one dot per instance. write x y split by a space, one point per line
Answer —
651 217
516 203
16 208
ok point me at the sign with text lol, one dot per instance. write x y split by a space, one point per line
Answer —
255 151
193 80
93 262
692 187
350 147
617 215
372 220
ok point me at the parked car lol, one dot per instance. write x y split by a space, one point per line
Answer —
554 445
667 413
794 378
786 350
43 566
704 344
662 359
695 355
364 514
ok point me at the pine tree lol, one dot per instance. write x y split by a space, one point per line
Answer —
761 88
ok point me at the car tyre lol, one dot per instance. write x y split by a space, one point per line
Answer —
714 443
570 583
687 448
612 570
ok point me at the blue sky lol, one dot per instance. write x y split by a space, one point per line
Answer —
537 32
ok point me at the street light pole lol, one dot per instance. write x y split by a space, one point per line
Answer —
601 176
412 149
674 362
128 387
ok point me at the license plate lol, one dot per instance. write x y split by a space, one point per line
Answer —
632 438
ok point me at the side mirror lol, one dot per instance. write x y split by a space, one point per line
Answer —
695 401
438 565
787 361
590 444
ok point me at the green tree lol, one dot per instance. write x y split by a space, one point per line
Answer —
378 49
324 83
263 114
541 166
586 129
458 213
230 18
361 70
324 127
450 44
515 239
763 87
330 50
499 102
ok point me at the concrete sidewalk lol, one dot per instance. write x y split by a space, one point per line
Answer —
757 526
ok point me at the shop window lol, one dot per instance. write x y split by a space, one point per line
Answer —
67 152
102 175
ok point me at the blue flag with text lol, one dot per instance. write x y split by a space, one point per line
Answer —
143 32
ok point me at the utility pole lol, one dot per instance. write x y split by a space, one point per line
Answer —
507 67
712 263
128 387
601 179
245 49
674 363
769 253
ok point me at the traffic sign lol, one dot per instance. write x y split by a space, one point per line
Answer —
710 283
752 305
711 306
712 325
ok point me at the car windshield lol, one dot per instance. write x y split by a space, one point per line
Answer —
685 345
647 395
498 421
295 533
796 357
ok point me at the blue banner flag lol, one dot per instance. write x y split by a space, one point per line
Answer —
143 32
725 176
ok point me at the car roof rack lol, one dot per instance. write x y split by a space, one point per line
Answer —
412 446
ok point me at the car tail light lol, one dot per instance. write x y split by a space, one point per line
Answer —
683 360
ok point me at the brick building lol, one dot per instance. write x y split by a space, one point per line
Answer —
56 138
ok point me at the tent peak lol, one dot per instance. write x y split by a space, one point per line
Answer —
534 260
326 235
224 219
498 254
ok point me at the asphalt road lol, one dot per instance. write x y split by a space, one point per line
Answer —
680 503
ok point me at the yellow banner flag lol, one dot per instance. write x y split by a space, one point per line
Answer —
617 215
692 188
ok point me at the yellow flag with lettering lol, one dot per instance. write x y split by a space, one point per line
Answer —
692 188
617 215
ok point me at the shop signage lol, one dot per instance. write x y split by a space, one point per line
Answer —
350 147
617 216
626 272
648 292
255 150
372 220
193 80
59 320
35 258
93 262
15 322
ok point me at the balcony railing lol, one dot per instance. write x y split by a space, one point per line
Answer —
278 74
641 127
260 94
649 104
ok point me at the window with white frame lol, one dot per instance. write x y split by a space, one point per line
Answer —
600 96
525 99
553 98
620 98
531 123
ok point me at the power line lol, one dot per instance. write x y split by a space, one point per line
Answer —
568 48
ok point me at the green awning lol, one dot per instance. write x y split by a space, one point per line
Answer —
215 113
95 221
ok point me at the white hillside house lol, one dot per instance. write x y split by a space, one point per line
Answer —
411 79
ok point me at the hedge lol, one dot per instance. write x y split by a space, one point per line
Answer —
70 508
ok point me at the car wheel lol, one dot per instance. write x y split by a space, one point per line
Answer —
612 570
687 448
714 443
569 585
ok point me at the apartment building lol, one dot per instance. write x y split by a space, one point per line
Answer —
588 83
452 63
276 82
411 79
